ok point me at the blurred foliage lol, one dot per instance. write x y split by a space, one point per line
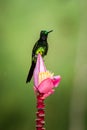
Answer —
20 25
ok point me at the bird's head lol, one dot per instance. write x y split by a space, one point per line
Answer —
44 34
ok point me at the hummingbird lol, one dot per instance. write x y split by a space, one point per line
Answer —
41 46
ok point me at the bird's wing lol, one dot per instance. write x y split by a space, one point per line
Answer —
34 49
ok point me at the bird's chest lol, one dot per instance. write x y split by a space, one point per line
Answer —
41 50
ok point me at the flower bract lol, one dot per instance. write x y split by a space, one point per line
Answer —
44 80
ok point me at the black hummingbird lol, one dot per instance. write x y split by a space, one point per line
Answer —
41 46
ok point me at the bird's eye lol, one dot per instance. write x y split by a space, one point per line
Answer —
45 32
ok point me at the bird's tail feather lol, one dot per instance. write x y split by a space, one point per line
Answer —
31 72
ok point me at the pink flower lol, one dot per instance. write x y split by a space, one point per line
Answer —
44 81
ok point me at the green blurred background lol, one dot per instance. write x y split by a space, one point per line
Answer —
20 25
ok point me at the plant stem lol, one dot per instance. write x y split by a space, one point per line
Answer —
40 112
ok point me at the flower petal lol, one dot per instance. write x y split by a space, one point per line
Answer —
56 80
48 94
40 67
46 86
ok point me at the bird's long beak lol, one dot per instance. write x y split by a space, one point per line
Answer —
50 31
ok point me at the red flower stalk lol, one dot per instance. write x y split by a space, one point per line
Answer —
40 112
44 84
